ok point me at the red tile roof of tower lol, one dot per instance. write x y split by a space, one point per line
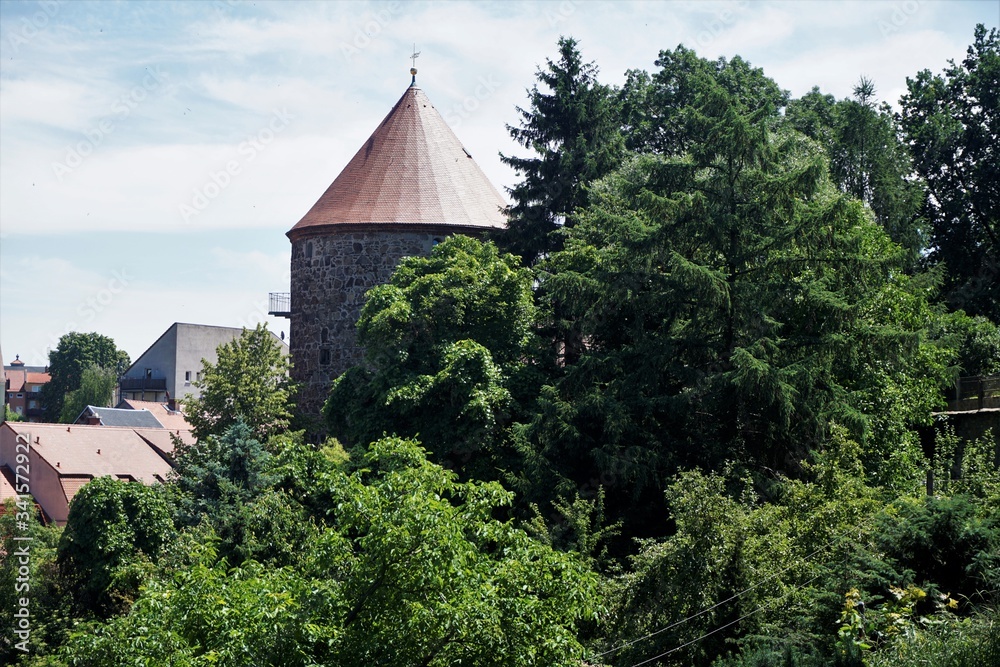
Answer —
413 170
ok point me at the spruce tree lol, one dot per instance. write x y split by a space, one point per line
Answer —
572 126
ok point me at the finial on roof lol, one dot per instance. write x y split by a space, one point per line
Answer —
413 68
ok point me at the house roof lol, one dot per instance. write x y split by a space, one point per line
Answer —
16 379
38 378
20 375
118 417
162 439
413 170
7 488
80 453
170 419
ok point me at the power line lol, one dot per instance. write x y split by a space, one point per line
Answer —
799 562
717 604
720 628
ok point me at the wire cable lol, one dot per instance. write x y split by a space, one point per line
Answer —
720 628
801 561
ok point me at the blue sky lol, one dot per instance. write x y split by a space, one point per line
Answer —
153 154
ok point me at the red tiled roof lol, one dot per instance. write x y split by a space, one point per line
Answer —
94 451
38 378
17 378
413 170
162 439
72 485
7 489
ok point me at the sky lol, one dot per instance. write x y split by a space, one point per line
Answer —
153 154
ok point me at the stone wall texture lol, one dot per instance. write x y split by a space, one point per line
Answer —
330 274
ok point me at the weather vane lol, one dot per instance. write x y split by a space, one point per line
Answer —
413 67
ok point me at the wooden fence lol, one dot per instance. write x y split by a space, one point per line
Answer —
975 393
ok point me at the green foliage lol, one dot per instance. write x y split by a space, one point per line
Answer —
11 416
732 303
97 387
867 159
447 341
74 353
969 642
978 340
946 545
41 586
580 527
951 123
114 531
660 112
205 615
228 482
768 577
572 127
966 467
249 383
413 569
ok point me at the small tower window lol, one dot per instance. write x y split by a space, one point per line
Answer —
324 357
324 336
309 249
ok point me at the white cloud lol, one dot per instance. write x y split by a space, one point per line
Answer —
336 69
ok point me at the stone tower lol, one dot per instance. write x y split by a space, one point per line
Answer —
409 186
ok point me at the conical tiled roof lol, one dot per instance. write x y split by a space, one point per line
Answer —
413 170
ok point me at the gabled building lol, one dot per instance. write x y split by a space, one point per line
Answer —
168 370
23 389
62 459
408 187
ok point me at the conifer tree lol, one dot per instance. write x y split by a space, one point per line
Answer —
572 126
732 304
867 159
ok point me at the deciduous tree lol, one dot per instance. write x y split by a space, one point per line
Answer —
248 383
951 123
114 530
97 387
448 341
75 353
414 569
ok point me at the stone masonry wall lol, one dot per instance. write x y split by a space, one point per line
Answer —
329 277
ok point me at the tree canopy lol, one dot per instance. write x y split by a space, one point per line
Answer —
411 568
74 354
571 125
97 387
248 383
447 342
951 122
